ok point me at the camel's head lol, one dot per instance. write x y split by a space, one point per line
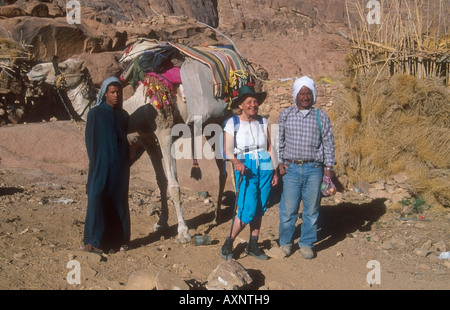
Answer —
72 71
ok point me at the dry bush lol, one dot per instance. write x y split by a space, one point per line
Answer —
397 124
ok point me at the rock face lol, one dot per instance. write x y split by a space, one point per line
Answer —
293 31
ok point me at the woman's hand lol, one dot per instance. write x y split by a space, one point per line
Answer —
239 166
275 178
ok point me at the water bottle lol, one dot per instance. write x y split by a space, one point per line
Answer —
201 240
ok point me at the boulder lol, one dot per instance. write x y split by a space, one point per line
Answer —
166 280
142 280
152 278
229 275
11 11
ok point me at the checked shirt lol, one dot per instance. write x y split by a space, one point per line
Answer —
300 139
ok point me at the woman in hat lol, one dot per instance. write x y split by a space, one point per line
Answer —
248 147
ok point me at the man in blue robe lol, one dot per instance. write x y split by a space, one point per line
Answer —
107 224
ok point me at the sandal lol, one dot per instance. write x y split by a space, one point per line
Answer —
90 248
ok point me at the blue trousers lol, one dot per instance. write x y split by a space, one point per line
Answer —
255 187
300 183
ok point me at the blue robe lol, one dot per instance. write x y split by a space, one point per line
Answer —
107 224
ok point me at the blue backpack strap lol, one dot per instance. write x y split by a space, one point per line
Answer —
260 119
319 122
236 123
236 128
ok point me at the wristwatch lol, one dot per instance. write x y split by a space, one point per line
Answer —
329 168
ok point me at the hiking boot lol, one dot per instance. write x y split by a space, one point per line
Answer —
306 252
227 249
287 249
253 250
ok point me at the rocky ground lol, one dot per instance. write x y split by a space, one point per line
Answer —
43 205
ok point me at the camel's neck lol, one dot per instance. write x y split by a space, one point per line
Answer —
82 98
136 100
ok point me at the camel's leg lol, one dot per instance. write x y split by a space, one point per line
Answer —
151 145
196 172
222 181
137 148
166 141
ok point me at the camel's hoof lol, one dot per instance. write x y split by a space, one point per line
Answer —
183 239
159 227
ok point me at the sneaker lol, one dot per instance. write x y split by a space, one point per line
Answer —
306 253
227 249
253 250
287 249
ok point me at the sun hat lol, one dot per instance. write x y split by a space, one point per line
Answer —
246 91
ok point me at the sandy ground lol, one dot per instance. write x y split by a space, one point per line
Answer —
43 203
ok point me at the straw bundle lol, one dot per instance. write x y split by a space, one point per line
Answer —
13 59
411 38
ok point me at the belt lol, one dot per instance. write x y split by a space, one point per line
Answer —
299 161
248 149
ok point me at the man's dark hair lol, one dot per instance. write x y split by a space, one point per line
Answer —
114 84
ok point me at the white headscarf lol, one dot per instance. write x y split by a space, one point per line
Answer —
104 87
304 81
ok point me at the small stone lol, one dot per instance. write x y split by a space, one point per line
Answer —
276 252
421 252
19 255
387 245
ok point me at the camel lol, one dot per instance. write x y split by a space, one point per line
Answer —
74 79
154 128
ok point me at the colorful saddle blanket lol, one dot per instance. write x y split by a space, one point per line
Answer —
229 70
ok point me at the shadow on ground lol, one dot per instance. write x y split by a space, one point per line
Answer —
6 191
336 222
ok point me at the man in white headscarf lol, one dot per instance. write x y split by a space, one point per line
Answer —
306 153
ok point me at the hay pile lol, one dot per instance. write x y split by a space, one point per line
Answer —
13 57
393 116
14 65
397 124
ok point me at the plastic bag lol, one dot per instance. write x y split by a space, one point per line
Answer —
327 187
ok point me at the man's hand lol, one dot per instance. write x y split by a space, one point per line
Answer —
283 168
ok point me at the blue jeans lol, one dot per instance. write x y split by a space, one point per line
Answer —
300 183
